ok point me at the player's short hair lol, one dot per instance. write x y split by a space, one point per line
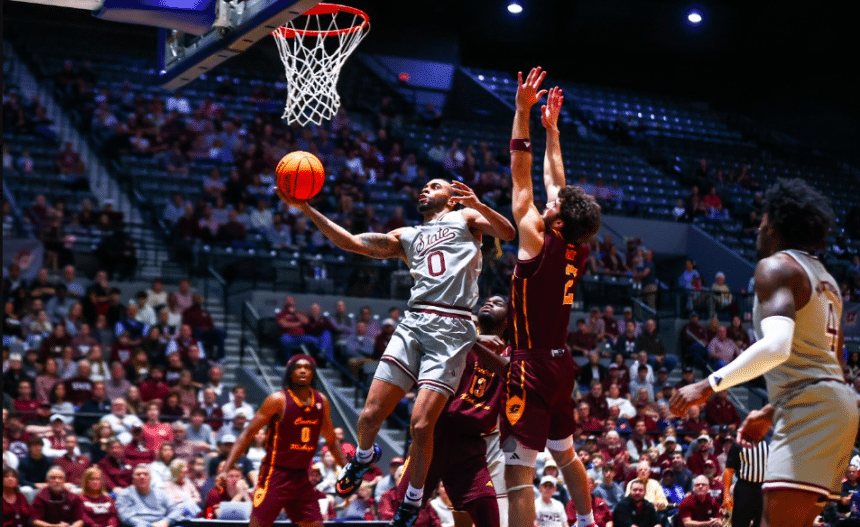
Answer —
580 213
799 213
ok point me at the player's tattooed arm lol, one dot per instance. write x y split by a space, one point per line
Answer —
378 245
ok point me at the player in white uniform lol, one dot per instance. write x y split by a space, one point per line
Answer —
797 319
429 346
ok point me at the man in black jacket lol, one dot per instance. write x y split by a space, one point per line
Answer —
635 509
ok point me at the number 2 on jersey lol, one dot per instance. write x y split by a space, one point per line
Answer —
832 327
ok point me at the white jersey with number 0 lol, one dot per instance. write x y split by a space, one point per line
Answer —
814 356
444 259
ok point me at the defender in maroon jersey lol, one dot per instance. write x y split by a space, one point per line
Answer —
295 417
459 447
538 411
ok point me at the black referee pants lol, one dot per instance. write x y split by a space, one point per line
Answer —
748 504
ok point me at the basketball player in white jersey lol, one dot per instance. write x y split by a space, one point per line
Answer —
430 344
796 317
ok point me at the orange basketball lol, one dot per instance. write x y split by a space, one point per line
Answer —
300 175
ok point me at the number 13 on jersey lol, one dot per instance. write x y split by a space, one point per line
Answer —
571 271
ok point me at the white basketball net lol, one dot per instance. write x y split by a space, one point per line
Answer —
313 48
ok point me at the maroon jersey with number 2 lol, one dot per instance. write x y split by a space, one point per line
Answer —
540 380
291 442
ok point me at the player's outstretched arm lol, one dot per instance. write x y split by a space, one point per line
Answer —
526 216
327 431
776 279
371 244
481 217
272 406
553 165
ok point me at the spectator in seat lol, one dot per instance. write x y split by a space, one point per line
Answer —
155 432
613 263
222 394
609 490
114 467
610 324
626 342
80 387
129 324
651 343
597 405
153 388
319 328
198 431
583 340
99 507
33 468
117 385
737 333
143 505
182 343
722 350
635 510
16 508
214 415
136 450
238 403
73 464
593 371
292 321
720 411
93 409
234 489
699 509
121 421
117 253
56 505
721 296
231 231
639 443
24 404
549 512
653 490
145 313
701 455
626 409
203 327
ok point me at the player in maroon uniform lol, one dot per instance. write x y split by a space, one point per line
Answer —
295 416
460 451
550 260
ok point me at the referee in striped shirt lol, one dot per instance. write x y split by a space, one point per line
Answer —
746 500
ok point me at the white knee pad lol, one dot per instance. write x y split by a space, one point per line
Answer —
560 445
517 454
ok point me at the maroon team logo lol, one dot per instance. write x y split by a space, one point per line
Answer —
422 244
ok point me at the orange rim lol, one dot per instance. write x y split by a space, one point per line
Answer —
326 9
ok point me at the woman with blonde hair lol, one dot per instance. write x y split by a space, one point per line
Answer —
99 507
181 489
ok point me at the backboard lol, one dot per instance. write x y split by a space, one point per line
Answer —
195 35
240 24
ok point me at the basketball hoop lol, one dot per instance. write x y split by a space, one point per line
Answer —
313 50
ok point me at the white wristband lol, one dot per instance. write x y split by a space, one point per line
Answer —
770 351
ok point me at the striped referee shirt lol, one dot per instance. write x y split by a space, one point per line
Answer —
748 463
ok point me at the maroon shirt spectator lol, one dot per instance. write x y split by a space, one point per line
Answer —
80 387
197 317
55 504
183 342
699 506
702 454
610 324
720 411
290 319
136 451
122 350
582 340
233 230
25 405
99 511
154 387
214 414
116 470
68 161
73 464
597 404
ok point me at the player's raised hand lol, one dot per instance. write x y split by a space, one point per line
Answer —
464 195
550 111
289 200
690 395
527 92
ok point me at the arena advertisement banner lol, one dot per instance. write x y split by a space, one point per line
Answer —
27 253
850 322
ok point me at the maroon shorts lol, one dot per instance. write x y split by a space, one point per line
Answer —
537 402
461 463
288 489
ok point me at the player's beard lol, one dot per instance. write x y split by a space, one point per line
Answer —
486 322
432 204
